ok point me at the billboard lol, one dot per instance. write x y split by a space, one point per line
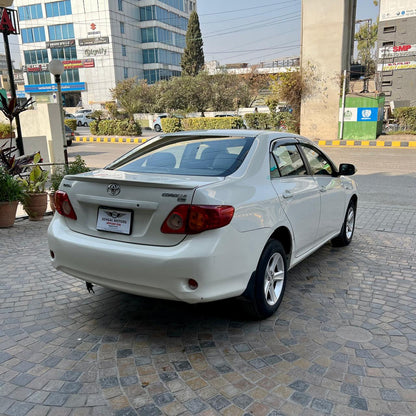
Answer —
397 9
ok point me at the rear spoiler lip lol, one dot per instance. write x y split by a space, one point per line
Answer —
165 181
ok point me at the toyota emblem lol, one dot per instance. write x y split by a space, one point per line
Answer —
113 189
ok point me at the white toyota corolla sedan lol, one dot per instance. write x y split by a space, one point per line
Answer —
201 216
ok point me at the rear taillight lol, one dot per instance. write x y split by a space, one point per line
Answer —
63 205
194 219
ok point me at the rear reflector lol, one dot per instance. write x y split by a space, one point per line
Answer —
194 219
63 205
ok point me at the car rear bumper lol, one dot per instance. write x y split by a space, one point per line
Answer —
221 261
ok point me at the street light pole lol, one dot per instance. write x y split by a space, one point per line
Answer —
56 68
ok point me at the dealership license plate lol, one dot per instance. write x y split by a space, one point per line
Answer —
114 220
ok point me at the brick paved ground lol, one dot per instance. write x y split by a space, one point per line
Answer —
342 343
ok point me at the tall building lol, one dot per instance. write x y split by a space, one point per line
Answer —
100 42
397 52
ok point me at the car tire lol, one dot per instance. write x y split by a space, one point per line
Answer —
347 230
269 280
69 142
79 124
157 128
85 124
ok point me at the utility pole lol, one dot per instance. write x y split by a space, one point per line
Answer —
367 57
9 24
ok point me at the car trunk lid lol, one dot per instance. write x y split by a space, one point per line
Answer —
128 207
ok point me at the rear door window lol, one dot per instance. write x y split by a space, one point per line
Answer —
198 156
289 160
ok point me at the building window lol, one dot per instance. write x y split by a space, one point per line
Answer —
164 16
30 12
126 72
389 29
123 50
42 77
58 8
120 5
162 56
64 54
70 75
177 4
386 83
33 34
58 32
153 34
36 56
388 44
122 27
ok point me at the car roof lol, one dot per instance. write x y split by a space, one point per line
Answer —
271 134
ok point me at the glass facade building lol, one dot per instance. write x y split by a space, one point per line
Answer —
101 43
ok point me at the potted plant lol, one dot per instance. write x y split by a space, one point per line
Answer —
11 192
78 166
36 199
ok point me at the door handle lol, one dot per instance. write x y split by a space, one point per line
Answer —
287 194
323 189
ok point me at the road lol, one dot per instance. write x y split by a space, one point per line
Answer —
385 175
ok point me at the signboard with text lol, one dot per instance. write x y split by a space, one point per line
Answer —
93 41
397 9
60 43
73 64
46 88
360 114
391 66
398 50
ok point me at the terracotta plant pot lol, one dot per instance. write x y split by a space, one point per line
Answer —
7 213
35 205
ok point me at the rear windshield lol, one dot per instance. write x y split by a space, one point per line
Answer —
200 156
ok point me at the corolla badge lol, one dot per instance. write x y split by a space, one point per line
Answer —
113 189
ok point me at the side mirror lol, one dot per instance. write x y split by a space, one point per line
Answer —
346 169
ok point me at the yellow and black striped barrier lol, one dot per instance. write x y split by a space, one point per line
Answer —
323 143
367 143
108 139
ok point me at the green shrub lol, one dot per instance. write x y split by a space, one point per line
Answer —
406 117
262 121
212 123
78 166
5 129
10 188
71 123
115 128
171 124
94 127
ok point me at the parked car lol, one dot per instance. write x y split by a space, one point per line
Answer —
69 134
83 119
157 123
83 111
202 216
69 116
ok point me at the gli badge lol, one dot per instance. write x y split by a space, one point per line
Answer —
113 189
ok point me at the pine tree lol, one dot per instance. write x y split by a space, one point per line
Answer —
193 57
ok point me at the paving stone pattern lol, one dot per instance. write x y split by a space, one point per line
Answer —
342 343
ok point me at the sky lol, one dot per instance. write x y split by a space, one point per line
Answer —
252 32
246 31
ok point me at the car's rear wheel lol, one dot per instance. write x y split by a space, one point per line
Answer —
157 128
85 124
347 231
269 280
